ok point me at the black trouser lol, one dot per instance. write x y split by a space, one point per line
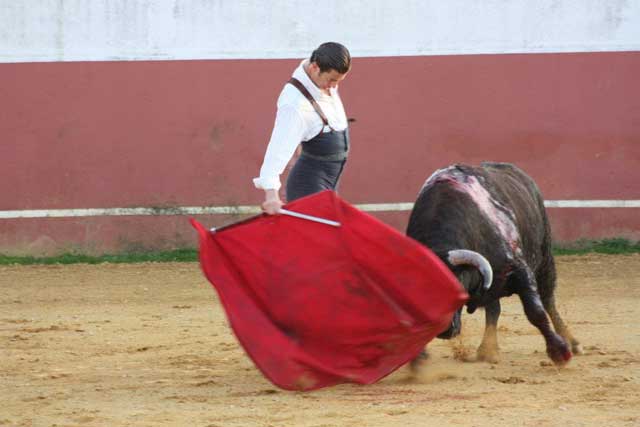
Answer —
320 165
311 175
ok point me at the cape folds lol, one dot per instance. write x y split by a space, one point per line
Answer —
315 305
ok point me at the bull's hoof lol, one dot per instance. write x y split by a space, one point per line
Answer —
559 356
449 333
487 355
558 350
488 351
576 348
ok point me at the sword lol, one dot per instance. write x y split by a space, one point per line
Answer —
309 217
294 214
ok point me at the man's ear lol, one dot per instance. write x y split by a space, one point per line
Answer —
314 68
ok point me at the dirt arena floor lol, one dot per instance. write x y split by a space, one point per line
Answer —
149 345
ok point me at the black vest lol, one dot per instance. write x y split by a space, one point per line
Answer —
323 157
330 146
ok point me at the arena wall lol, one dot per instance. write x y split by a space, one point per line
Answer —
122 119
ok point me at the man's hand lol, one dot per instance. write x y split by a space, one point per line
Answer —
272 202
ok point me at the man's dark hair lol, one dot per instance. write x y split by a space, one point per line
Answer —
332 56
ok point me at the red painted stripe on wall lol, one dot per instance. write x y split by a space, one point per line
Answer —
192 133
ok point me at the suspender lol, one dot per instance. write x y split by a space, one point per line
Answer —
298 85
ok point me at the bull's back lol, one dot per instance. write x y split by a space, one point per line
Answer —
518 187
475 207
456 210
517 190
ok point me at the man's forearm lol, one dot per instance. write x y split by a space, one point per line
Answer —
272 202
271 194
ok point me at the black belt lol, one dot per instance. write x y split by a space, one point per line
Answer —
332 157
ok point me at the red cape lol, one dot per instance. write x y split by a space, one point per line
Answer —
315 305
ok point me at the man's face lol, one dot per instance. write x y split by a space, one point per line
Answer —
325 80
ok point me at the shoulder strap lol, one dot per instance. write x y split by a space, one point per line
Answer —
298 85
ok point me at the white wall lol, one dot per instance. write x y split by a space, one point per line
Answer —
80 30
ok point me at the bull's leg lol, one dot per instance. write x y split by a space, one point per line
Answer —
488 350
417 363
546 279
525 286
559 325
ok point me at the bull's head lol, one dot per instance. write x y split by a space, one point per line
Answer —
461 257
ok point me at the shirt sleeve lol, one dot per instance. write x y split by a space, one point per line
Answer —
288 132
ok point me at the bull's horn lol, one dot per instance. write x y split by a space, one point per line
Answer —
466 257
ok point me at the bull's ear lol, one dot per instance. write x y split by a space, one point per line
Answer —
471 280
473 283
462 275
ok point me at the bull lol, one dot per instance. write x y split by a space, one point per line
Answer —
488 224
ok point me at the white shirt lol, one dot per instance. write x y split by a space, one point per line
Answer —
297 121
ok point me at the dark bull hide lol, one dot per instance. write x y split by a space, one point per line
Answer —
489 225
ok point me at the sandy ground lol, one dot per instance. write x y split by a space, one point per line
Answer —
149 345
